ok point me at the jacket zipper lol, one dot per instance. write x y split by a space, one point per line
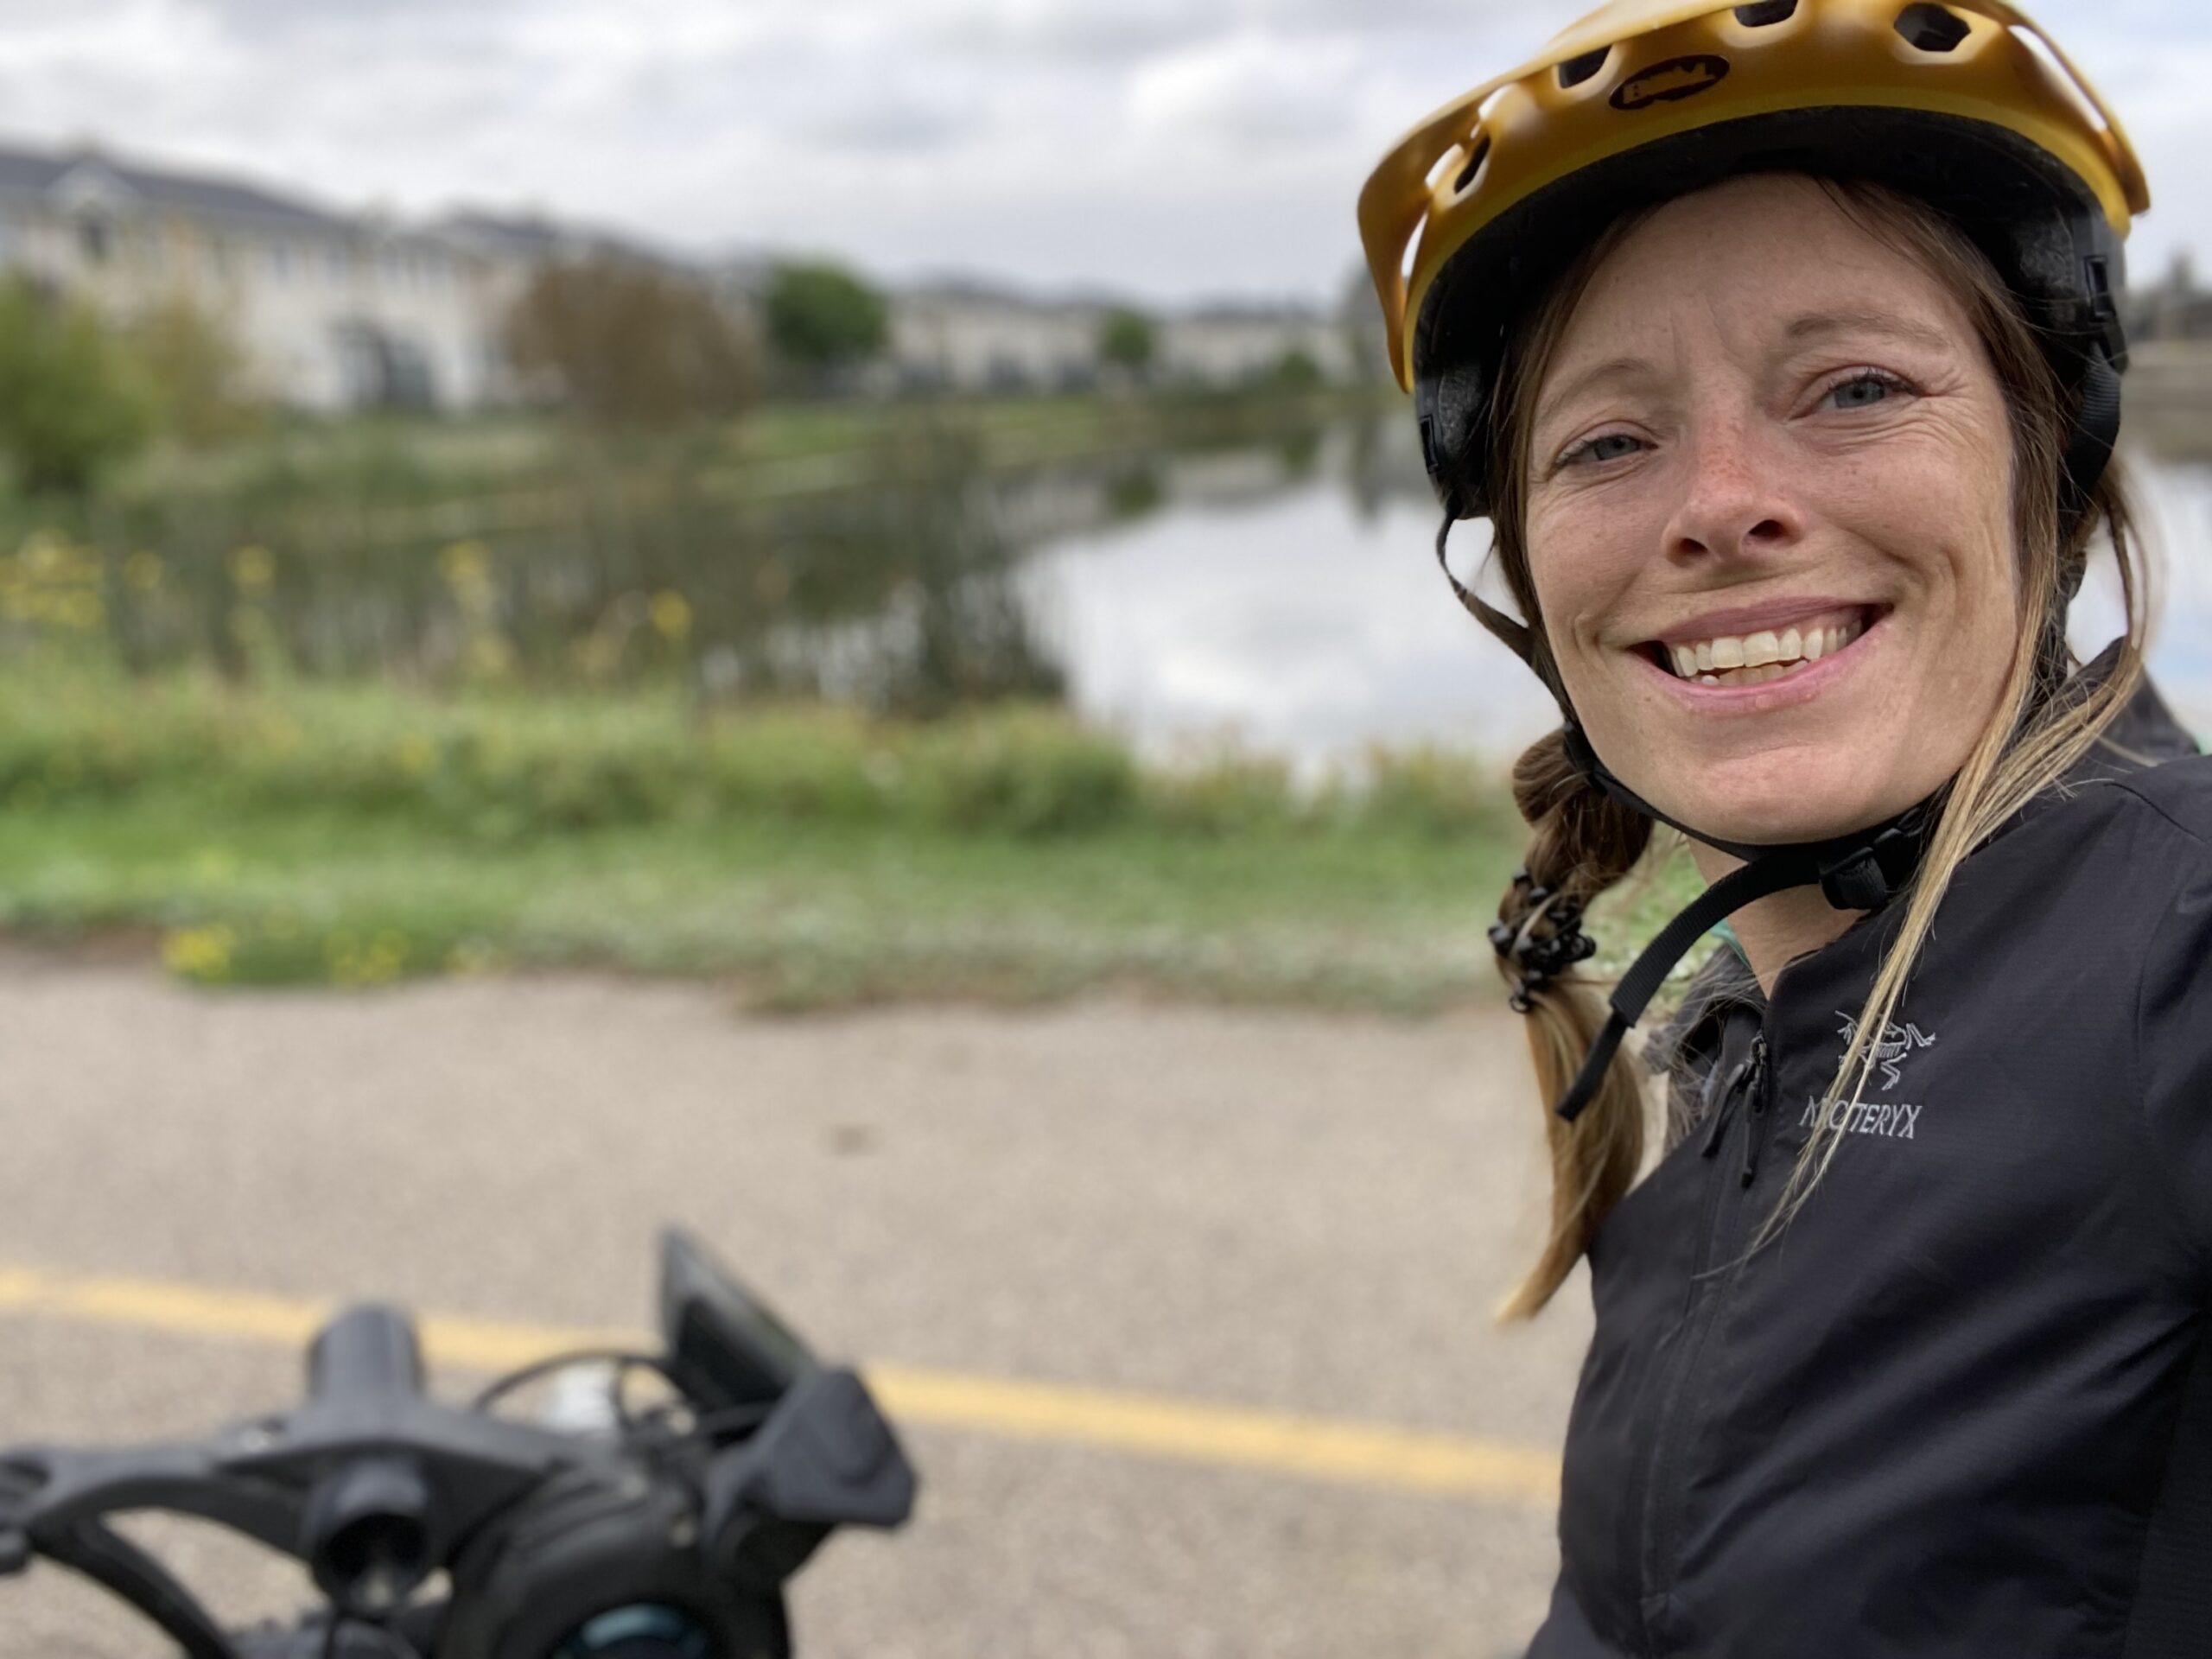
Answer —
1725 1205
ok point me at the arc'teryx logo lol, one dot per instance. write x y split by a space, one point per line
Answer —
1896 1045
1897 1119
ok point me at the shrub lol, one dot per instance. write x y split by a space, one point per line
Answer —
504 767
71 403
628 345
822 318
1024 773
1434 791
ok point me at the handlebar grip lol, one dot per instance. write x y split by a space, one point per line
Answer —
309 1639
367 1352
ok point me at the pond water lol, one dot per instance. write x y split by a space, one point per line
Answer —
1311 621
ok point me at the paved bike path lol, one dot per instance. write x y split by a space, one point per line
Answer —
1184 1311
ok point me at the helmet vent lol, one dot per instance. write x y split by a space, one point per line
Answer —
1575 71
1932 28
1475 161
1766 13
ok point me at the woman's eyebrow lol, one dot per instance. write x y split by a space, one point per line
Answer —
1818 325
1598 374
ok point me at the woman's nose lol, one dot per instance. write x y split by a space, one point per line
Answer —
1735 504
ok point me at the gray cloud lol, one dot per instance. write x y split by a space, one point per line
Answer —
1169 147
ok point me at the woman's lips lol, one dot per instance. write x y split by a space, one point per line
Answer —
1763 669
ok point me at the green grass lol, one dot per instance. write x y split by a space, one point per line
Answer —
829 915
354 834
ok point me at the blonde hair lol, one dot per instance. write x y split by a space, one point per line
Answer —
1583 841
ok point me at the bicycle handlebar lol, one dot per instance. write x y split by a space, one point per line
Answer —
677 1533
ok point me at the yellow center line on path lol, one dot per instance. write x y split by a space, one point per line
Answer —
1153 1426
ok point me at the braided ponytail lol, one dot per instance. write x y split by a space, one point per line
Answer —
1584 842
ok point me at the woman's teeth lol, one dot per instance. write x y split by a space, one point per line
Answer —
1754 659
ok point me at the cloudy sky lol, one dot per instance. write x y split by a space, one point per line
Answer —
1172 148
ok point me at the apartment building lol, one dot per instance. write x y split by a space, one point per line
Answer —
331 311
969 337
340 311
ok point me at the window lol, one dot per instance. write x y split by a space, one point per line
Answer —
95 239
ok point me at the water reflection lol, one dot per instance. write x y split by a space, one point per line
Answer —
881 575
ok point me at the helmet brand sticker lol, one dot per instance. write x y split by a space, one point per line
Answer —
1665 83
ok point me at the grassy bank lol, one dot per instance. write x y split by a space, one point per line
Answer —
354 834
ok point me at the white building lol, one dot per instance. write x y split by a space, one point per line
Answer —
1227 345
330 312
334 312
969 338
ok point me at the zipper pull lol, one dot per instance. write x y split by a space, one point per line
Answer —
1755 1086
1720 1099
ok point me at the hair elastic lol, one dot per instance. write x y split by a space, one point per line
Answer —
1537 959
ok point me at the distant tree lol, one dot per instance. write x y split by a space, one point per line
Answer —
1296 370
627 345
72 402
821 318
1127 340
194 372
1369 355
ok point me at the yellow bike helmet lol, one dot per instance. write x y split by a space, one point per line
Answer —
1964 105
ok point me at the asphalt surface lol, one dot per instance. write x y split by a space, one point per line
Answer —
1264 1210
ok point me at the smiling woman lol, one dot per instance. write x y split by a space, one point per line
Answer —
1778 344
1781 385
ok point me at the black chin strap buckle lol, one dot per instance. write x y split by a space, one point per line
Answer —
1868 875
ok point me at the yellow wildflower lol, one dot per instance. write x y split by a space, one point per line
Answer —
253 567
465 564
43 553
472 958
489 657
200 953
375 962
671 614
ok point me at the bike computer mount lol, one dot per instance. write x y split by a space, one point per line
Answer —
667 1534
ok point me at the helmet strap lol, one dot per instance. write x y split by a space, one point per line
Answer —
2088 453
1863 871
1520 638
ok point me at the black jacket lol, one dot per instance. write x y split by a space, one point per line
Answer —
1959 1406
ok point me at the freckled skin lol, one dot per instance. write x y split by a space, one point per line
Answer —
1741 463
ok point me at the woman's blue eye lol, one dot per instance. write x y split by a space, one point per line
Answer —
1609 445
1863 392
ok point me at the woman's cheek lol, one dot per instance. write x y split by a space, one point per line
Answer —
1574 622
1584 564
